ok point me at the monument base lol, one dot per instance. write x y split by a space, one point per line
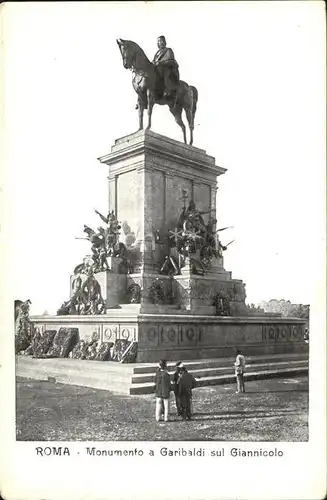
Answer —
168 291
183 336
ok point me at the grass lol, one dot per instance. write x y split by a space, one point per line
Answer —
270 410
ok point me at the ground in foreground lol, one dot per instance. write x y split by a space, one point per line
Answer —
270 410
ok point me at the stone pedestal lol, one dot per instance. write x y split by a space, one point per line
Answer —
113 283
113 288
148 174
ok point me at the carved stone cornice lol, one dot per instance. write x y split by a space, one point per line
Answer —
146 144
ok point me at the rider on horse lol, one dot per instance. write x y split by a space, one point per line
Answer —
167 67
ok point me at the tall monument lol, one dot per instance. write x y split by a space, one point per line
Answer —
155 276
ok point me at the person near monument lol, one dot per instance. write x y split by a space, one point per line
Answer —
239 371
162 390
186 383
166 64
177 374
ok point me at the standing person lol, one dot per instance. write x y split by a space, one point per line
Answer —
239 371
186 383
162 389
177 374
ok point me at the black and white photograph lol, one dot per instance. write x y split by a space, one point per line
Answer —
163 248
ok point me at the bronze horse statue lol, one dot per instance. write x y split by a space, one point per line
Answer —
149 87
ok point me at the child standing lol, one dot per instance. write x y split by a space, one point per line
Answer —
239 371
162 390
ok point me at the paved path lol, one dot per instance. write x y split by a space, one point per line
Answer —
270 410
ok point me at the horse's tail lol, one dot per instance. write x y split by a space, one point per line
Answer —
195 100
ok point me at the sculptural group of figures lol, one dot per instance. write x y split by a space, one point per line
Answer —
23 325
105 242
192 238
195 239
86 295
24 328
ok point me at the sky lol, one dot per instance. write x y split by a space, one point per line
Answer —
259 68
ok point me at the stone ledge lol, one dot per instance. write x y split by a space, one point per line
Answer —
143 318
117 377
149 134
149 143
126 315
204 372
193 364
121 315
229 379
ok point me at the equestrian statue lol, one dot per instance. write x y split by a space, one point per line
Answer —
158 82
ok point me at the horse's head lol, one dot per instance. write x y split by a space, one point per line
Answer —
127 52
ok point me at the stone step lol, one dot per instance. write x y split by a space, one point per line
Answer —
230 379
156 309
222 370
150 368
121 378
94 379
75 365
117 386
107 375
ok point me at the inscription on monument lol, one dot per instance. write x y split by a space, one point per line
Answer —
277 333
116 332
175 335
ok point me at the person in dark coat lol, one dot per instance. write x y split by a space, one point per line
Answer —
177 374
186 383
162 390
167 66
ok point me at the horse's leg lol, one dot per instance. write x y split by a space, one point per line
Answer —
189 105
150 107
177 112
189 116
140 109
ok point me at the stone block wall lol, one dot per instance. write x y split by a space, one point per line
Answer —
200 338
178 336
